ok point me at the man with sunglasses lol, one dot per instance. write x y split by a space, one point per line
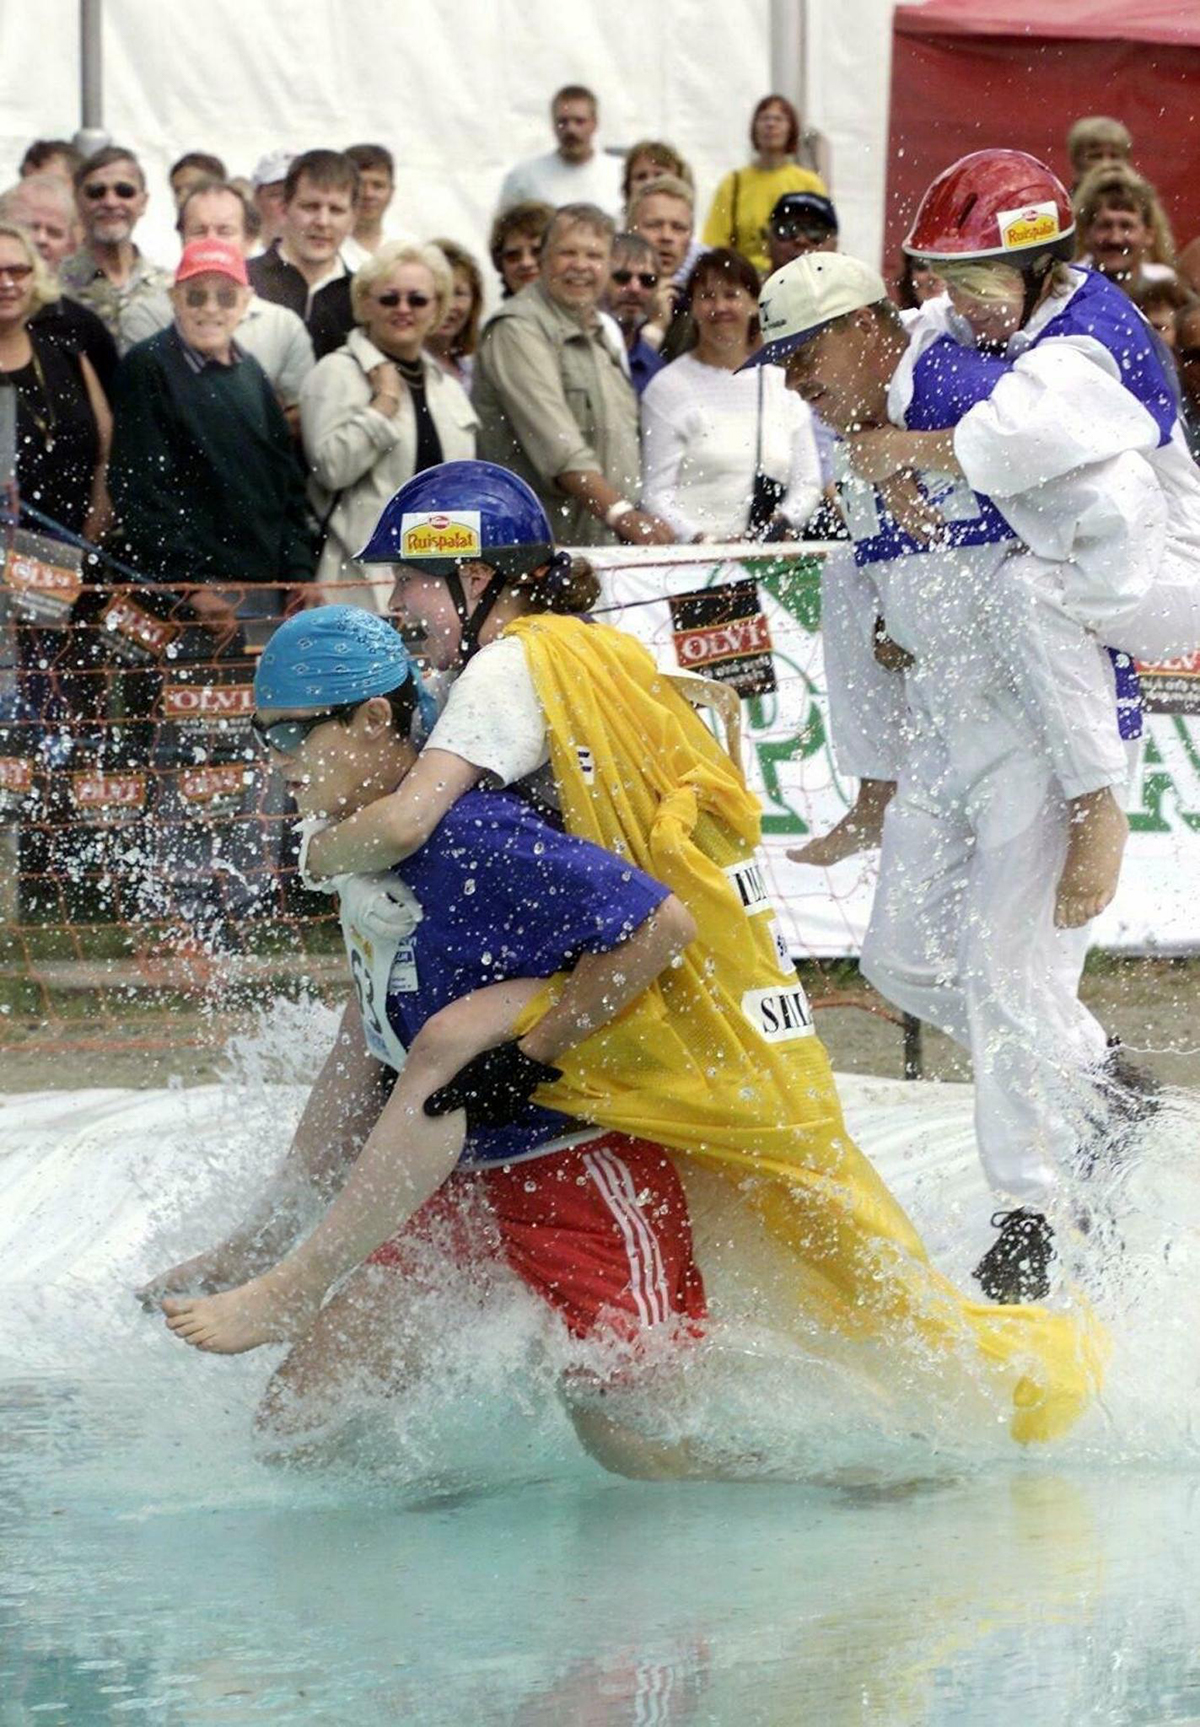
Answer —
109 274
800 222
203 474
629 301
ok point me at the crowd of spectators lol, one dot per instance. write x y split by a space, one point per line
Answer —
241 419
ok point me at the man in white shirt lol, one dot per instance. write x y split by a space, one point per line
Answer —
376 188
574 173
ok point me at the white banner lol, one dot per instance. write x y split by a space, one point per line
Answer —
790 764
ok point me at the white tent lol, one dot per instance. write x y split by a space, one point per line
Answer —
457 89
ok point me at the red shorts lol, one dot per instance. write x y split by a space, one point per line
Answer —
601 1231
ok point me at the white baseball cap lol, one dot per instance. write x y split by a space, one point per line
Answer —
271 168
807 294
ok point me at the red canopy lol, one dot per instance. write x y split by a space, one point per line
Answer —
967 74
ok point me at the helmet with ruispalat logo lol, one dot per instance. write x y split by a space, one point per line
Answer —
463 512
994 206
469 512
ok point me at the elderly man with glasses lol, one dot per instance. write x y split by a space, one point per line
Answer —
109 274
204 476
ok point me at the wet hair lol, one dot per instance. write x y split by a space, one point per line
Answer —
1097 129
1118 186
212 165
531 218
568 585
330 170
44 150
104 159
793 137
403 703
45 289
368 157
666 159
203 187
989 279
459 258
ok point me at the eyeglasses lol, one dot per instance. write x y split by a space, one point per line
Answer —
647 278
226 298
122 189
815 231
286 736
392 298
1187 356
16 272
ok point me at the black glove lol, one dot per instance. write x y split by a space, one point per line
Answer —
493 1088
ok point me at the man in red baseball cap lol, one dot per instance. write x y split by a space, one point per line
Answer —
210 295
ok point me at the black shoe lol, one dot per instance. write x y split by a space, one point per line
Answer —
1015 1267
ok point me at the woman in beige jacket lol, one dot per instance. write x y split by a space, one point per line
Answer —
380 410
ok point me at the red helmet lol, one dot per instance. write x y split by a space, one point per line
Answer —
999 205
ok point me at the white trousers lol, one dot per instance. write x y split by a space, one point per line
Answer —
962 935
868 713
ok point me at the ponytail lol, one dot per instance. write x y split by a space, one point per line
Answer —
565 584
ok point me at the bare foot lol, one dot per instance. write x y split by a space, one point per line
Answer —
268 1309
1095 842
206 1273
860 829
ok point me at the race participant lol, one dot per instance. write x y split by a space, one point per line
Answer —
1042 384
962 931
730 1072
595 1222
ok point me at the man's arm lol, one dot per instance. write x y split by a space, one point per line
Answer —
602 985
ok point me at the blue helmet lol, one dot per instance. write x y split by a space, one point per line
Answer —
332 656
461 512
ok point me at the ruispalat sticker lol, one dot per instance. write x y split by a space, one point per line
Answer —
1171 686
722 632
1026 227
780 1014
751 885
441 535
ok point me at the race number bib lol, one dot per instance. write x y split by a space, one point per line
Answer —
380 962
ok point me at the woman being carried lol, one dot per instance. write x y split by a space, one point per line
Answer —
719 1060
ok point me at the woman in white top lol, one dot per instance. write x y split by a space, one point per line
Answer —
380 410
726 454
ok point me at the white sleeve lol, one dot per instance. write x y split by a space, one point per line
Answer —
492 717
804 474
1108 522
664 443
1055 411
297 360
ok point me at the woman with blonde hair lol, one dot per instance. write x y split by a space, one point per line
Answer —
452 344
649 159
380 409
64 427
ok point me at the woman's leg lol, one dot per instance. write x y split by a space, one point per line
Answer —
406 1158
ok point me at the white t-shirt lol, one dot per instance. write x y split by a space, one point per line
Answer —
493 720
552 181
700 433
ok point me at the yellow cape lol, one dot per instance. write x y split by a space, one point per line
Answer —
719 1060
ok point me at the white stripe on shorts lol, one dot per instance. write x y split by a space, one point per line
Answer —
647 1274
